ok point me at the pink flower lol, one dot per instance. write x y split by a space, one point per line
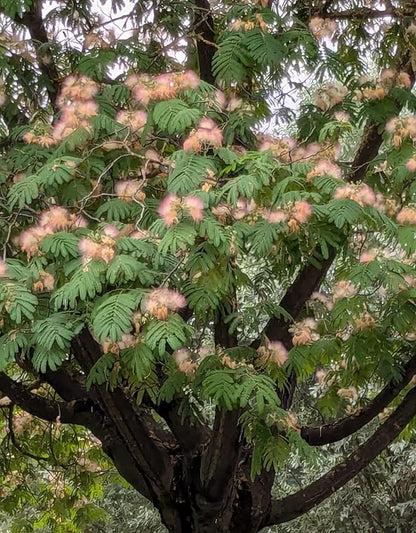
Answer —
407 216
368 256
277 353
127 189
403 80
324 167
302 211
304 332
56 218
349 394
111 231
89 249
3 269
158 302
276 216
195 207
168 209
30 239
322 28
362 194
411 165
274 352
343 289
189 80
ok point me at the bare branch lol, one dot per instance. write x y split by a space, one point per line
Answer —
302 501
327 433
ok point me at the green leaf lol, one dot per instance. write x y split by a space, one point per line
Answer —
175 116
112 317
61 244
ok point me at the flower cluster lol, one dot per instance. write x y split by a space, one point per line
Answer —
364 321
402 128
134 120
45 282
171 205
77 107
185 364
129 190
158 302
127 341
388 79
3 269
322 299
360 193
287 150
407 215
369 255
54 219
343 289
101 247
273 353
349 393
207 134
324 167
304 332
145 87
297 213
322 28
248 25
330 95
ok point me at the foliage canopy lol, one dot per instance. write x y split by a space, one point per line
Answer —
176 266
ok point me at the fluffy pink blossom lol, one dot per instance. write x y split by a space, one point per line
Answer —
322 28
195 207
411 165
127 189
207 133
304 332
277 353
322 298
349 393
325 167
407 216
368 255
30 239
302 211
320 376
89 249
276 216
56 218
343 289
362 193
387 77
158 302
3 269
111 231
403 80
189 80
168 209
135 120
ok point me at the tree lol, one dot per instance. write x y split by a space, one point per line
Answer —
162 259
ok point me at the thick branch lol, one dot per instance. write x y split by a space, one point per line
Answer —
66 412
203 26
325 434
150 451
302 501
33 21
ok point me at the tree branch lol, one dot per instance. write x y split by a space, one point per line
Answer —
327 433
33 21
77 412
203 26
302 501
